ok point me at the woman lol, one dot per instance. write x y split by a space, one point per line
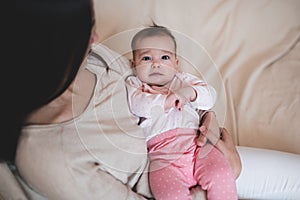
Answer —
53 40
79 141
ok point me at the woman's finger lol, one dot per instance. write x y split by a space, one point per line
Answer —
223 144
212 127
201 140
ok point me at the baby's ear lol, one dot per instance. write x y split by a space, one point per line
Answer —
132 63
177 64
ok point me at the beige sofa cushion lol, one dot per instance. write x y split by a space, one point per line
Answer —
248 50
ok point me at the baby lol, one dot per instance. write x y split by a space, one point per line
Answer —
167 101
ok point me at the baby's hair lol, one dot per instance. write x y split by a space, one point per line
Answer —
153 30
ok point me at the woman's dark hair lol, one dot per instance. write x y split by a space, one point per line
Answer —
52 40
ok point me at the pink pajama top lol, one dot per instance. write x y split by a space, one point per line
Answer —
148 103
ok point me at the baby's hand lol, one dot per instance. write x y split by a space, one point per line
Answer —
172 101
175 101
187 93
180 97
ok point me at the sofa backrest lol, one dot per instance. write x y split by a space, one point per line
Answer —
248 50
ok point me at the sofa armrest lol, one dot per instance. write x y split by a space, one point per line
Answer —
268 174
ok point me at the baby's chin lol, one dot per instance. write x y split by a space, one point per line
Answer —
163 84
159 83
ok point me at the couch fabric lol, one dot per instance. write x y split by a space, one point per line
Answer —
248 50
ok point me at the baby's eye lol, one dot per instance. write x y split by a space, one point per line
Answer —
165 57
146 58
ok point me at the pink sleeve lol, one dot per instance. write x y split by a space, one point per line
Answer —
141 103
206 94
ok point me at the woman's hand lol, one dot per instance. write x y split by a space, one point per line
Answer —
224 143
209 128
228 148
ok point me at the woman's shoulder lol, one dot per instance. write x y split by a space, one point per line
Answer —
133 81
101 57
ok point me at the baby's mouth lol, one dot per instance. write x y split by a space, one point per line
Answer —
155 74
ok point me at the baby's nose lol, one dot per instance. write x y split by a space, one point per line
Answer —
155 64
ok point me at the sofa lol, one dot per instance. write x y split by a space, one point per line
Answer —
249 51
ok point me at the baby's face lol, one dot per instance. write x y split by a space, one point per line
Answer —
155 60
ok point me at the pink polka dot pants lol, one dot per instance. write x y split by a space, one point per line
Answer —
214 174
176 166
